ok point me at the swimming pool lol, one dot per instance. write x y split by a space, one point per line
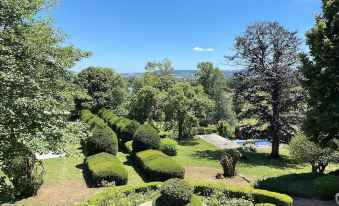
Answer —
257 142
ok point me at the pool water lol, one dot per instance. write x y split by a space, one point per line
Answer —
258 143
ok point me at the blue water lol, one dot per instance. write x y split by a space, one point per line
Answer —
258 143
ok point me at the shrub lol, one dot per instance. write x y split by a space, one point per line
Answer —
176 192
249 147
104 167
158 166
109 195
301 185
24 173
169 146
86 115
327 186
128 130
195 201
305 151
128 146
259 196
146 137
96 121
102 140
265 204
225 129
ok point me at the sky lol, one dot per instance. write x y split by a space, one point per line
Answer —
125 34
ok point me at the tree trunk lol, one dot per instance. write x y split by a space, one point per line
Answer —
319 167
275 147
180 128
275 129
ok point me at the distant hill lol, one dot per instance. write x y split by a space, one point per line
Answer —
182 74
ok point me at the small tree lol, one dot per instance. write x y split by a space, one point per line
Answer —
305 151
183 101
229 159
106 88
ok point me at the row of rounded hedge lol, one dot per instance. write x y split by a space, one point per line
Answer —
125 128
158 166
261 197
105 168
103 138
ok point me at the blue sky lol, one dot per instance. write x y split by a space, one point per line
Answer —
125 34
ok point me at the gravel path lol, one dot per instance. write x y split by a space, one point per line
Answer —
219 141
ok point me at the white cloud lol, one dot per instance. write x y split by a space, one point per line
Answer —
199 49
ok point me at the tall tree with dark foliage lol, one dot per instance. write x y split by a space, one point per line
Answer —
321 72
267 91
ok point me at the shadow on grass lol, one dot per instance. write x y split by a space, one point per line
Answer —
130 162
251 159
300 185
189 142
85 174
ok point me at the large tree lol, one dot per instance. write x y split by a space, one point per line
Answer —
186 102
106 88
33 63
267 93
216 87
321 77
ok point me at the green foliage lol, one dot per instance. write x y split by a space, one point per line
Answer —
86 115
225 129
128 130
110 195
268 89
301 185
265 204
106 88
158 166
305 151
259 196
216 87
34 61
320 77
195 201
327 186
184 99
190 122
104 167
128 146
102 140
175 192
146 137
96 121
25 173
169 146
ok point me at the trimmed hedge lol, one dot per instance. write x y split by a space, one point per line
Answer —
327 186
106 167
195 201
259 196
128 129
128 146
169 146
145 138
175 192
199 189
158 166
264 204
109 195
86 115
102 140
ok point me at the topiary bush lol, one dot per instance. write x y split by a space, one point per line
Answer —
86 115
145 138
102 140
96 121
128 129
169 146
106 168
327 186
175 192
158 166
128 146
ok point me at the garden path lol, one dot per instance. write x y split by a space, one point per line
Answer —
219 141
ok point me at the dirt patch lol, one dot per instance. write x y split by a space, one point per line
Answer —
207 174
66 192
